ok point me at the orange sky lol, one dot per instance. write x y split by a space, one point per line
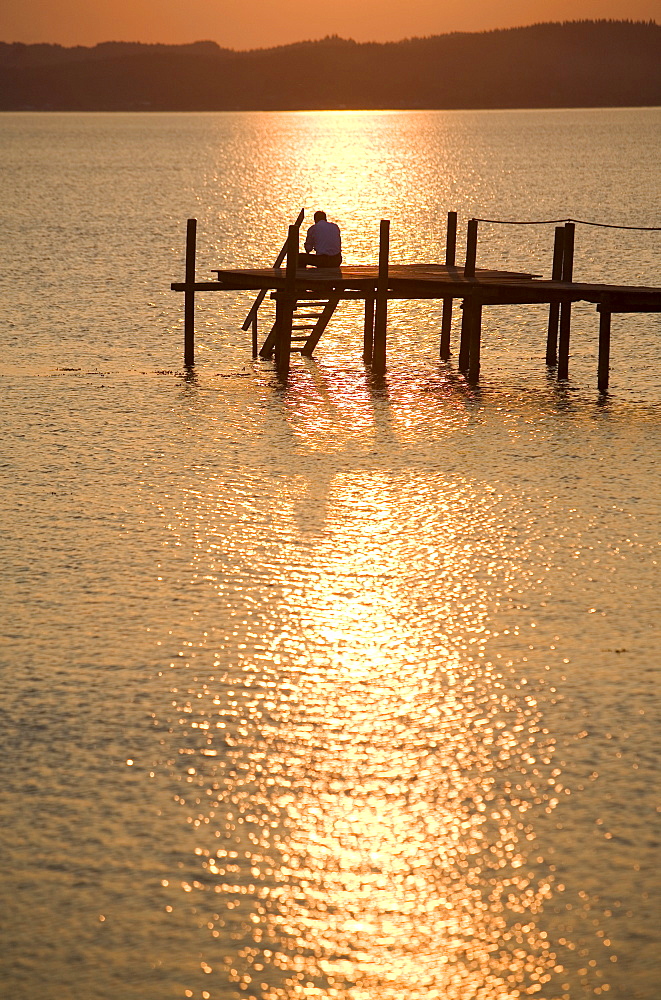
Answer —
243 24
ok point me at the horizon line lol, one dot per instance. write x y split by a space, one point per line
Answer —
651 22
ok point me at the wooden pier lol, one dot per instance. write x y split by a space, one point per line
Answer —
306 298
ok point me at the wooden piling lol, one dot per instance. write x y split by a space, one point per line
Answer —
381 311
465 339
285 305
451 239
467 317
450 257
565 307
603 370
368 333
446 330
189 293
554 307
471 249
475 339
568 253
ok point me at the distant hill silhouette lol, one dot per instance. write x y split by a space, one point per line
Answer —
570 64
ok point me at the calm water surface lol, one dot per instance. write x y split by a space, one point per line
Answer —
341 689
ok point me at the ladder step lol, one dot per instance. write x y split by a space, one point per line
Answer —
303 326
308 315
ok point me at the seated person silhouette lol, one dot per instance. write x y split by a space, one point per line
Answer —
325 240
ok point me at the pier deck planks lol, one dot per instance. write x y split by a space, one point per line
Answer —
412 281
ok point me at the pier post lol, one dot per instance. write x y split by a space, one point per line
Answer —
368 333
450 257
451 239
381 312
554 307
603 370
565 307
471 249
189 293
285 304
475 340
465 340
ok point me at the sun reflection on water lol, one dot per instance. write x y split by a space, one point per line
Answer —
362 781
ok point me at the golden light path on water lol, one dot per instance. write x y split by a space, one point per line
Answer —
296 675
363 781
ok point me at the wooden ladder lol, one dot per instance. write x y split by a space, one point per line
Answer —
322 310
316 312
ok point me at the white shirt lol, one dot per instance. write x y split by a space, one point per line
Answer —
324 237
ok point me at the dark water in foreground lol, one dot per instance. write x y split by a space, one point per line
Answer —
345 689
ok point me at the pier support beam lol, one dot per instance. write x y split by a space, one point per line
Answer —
565 307
464 342
381 312
475 341
285 304
603 370
468 304
446 330
471 337
368 333
189 293
450 257
554 307
563 343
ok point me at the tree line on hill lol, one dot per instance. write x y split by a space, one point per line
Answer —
570 64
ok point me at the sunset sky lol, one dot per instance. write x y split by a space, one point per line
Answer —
244 24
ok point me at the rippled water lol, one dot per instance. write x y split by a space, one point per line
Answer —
345 688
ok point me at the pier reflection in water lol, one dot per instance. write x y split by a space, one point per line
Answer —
364 779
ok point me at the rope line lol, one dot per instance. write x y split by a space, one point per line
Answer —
581 222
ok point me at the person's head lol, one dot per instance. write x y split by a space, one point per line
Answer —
318 216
